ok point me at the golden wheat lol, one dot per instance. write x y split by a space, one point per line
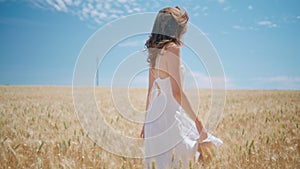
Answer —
39 129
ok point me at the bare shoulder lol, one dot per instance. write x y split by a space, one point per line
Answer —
172 55
173 48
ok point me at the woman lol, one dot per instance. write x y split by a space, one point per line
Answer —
171 137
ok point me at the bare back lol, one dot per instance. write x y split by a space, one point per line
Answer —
161 68
161 63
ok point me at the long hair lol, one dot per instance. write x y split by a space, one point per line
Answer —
169 26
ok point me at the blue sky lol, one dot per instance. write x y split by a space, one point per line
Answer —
257 41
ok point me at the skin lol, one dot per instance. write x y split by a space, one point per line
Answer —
169 66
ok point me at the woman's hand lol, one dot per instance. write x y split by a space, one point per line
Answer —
142 132
201 130
203 135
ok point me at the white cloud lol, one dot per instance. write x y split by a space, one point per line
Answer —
237 27
264 23
278 82
204 8
102 15
221 1
116 11
196 8
205 81
76 2
298 17
93 11
69 2
107 6
225 32
137 9
268 24
226 8
122 1
280 79
58 5
91 26
250 7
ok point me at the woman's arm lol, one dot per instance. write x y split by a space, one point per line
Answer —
174 63
151 79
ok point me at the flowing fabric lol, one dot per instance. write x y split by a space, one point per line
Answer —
170 135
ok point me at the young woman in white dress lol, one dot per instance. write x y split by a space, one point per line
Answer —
172 131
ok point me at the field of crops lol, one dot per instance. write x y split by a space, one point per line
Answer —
39 129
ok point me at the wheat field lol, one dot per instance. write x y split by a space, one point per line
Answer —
39 129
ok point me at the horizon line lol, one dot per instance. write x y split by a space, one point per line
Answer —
137 87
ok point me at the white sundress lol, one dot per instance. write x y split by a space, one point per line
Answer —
170 135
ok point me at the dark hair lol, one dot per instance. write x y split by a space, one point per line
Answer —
169 26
